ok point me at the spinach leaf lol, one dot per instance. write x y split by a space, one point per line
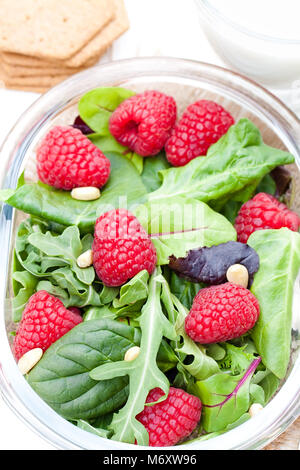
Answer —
124 189
267 185
279 254
109 144
96 106
151 172
179 224
185 291
143 372
225 398
62 379
232 169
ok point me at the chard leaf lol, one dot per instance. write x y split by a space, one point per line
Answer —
210 265
279 254
124 189
178 225
225 398
143 372
237 161
62 379
236 359
96 106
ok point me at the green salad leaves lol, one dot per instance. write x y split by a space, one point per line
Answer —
84 375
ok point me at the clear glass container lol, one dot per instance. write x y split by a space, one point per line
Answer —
187 81
272 60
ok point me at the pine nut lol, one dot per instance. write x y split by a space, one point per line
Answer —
132 353
29 360
88 193
254 409
238 274
85 260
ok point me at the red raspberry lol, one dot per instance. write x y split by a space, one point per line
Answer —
202 124
220 313
144 122
44 320
121 248
171 420
264 212
67 159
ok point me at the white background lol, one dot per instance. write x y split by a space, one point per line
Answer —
158 27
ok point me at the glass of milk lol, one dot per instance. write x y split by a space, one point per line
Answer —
260 38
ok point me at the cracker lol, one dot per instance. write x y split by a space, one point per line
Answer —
27 61
100 43
35 81
17 71
52 29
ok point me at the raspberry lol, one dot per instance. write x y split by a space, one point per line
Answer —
44 320
67 159
121 248
171 420
220 313
144 122
202 124
264 212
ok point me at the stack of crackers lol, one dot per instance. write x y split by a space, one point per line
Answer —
42 42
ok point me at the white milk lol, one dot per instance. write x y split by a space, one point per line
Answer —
275 63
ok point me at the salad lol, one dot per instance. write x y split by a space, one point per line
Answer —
153 274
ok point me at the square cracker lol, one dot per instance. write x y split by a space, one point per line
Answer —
103 40
90 53
35 81
12 71
52 29
20 60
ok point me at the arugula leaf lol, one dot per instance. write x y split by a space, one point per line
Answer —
27 283
89 428
273 287
134 290
143 372
61 378
67 246
96 106
124 189
225 398
202 366
232 169
179 224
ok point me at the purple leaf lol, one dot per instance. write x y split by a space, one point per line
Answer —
209 265
82 126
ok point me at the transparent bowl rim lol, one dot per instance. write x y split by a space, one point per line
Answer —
215 14
285 406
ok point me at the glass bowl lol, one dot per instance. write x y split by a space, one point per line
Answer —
272 61
187 81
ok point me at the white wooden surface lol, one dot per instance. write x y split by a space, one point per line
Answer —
158 27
